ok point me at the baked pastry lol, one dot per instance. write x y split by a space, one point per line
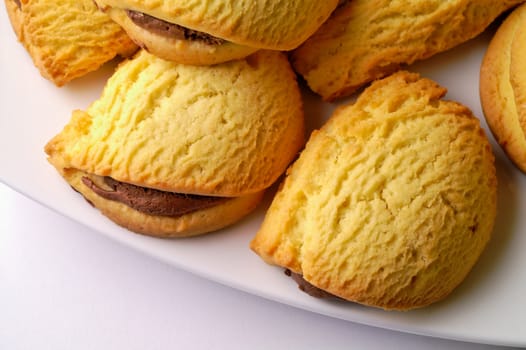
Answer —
171 150
390 203
503 86
366 40
210 32
67 39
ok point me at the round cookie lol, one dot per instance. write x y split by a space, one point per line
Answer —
391 202
211 32
69 39
228 130
503 86
365 40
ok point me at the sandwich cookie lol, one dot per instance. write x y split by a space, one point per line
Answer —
366 40
67 39
391 202
172 150
503 86
211 32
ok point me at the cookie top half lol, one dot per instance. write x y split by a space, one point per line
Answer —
391 202
223 130
503 86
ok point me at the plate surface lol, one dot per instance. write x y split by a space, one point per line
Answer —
489 307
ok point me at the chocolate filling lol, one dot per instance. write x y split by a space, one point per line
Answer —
308 288
170 30
151 201
17 2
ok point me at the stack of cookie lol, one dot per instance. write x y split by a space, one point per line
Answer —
389 204
188 133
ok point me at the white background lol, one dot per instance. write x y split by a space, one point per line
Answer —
64 286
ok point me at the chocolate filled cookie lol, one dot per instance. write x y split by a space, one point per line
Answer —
211 32
172 150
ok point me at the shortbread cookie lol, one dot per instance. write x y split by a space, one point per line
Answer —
67 39
210 32
366 40
390 203
503 86
172 150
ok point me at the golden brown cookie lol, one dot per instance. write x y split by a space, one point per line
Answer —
211 32
503 86
67 39
391 202
366 40
226 132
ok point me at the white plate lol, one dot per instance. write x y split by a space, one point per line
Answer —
489 307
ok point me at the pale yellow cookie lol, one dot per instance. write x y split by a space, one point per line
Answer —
228 130
391 202
211 32
366 40
503 86
67 39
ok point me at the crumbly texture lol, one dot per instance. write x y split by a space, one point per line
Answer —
275 25
503 86
227 130
178 50
366 40
69 39
391 202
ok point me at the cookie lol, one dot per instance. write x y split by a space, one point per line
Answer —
211 32
69 39
503 86
175 150
390 203
366 40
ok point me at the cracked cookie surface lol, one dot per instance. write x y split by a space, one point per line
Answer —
391 202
